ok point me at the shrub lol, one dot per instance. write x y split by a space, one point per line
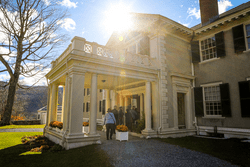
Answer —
56 124
85 124
56 148
122 128
140 125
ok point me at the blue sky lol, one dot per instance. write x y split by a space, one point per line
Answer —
88 15
88 19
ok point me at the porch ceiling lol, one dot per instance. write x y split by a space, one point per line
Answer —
105 81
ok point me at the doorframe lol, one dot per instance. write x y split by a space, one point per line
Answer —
182 84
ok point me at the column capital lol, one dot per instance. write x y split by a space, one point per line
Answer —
76 71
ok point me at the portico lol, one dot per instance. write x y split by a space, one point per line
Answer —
87 65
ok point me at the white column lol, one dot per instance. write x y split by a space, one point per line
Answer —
93 105
76 99
53 102
125 107
141 106
121 100
112 99
66 103
48 105
63 99
107 100
148 109
155 104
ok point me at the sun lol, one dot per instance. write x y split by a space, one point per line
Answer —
118 18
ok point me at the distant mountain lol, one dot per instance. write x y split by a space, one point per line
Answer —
33 98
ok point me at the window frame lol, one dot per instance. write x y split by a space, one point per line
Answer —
201 57
204 100
245 35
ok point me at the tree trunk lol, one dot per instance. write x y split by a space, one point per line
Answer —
10 101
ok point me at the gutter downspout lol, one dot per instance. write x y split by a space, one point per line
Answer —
159 85
193 85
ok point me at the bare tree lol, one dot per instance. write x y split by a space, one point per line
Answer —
28 33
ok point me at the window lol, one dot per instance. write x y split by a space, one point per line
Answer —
87 106
248 35
38 116
100 106
239 39
59 117
208 49
244 89
212 100
100 90
88 91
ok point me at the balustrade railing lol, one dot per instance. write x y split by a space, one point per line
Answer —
110 54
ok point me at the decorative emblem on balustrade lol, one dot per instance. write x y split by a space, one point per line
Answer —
88 48
99 51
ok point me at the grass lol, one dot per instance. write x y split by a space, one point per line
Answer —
231 150
13 153
21 126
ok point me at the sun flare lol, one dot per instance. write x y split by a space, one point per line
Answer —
118 18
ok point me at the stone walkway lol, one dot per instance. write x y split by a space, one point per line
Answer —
151 152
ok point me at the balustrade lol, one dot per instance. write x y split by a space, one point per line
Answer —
109 54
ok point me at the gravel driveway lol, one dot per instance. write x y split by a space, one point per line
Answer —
142 152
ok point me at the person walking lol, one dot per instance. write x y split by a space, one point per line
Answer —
110 122
115 112
120 116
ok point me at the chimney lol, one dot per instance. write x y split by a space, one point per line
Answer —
209 11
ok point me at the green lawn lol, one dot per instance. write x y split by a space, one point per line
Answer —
21 126
13 153
231 150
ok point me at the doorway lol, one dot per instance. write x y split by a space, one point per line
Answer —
181 110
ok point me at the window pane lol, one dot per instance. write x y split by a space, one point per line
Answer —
248 27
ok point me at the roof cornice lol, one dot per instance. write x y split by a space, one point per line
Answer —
222 21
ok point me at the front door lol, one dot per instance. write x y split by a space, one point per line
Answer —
181 111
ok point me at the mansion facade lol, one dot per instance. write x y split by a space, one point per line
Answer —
185 81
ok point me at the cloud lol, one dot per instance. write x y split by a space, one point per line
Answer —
4 77
39 78
223 5
185 24
68 23
68 3
47 2
194 12
181 6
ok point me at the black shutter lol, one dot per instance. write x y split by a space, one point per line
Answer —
195 48
220 45
83 107
144 46
87 107
244 89
239 39
198 98
225 100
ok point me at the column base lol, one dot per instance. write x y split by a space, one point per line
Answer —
69 141
148 133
